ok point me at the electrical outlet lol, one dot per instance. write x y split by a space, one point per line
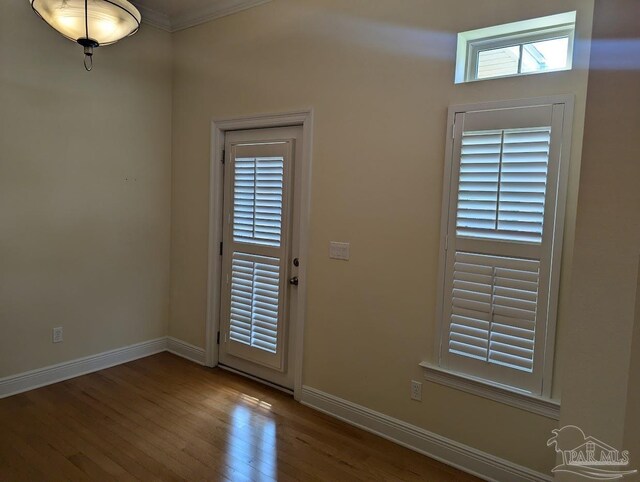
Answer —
416 390
57 335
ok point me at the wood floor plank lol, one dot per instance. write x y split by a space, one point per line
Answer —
91 425
164 418
83 446
38 452
15 467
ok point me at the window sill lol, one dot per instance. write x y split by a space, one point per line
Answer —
482 388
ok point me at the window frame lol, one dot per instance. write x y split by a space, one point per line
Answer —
472 42
465 381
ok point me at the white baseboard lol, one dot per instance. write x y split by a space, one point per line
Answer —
40 377
455 454
81 366
186 350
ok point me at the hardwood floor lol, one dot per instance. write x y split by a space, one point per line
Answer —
164 418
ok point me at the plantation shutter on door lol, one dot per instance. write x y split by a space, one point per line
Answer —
255 290
501 225
256 251
257 201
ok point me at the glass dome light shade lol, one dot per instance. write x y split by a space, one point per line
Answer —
101 21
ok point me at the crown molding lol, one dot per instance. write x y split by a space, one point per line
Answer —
197 16
212 12
155 19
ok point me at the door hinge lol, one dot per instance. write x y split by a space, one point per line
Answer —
221 245
446 242
453 131
224 156
218 338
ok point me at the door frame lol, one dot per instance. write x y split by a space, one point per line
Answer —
302 118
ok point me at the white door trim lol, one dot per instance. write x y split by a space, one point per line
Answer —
302 118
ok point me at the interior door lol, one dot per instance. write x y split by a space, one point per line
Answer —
259 264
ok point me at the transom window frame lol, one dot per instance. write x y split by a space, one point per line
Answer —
543 403
471 43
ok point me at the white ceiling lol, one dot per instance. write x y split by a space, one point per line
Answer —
173 15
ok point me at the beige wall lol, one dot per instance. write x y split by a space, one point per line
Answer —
631 440
85 191
598 384
379 75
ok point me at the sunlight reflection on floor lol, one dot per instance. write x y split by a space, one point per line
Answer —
252 450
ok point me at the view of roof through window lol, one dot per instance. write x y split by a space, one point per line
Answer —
523 58
531 46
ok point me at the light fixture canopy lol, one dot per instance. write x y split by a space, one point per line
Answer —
91 23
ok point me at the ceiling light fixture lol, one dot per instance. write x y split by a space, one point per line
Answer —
91 23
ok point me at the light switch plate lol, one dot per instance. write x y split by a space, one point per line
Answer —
339 250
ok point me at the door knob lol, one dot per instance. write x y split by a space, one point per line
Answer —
294 281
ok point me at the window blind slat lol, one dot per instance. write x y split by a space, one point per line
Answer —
467 350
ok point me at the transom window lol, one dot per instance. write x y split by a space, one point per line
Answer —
528 47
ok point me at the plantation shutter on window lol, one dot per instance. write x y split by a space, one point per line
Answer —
493 312
500 237
503 177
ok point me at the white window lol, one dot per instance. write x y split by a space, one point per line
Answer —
528 47
503 211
